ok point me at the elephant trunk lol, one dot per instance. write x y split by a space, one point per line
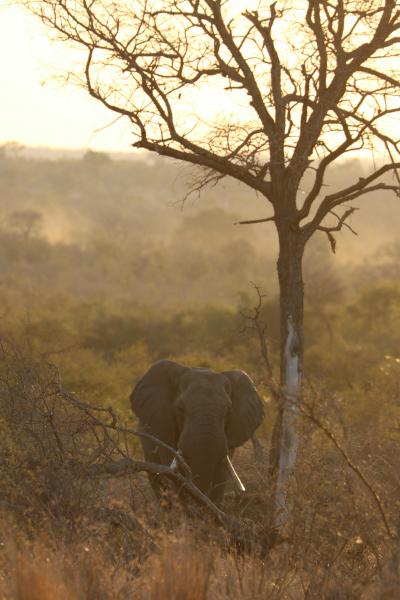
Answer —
203 449
231 469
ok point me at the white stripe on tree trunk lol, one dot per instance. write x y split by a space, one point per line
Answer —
289 437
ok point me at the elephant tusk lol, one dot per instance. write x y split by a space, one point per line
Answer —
175 464
235 476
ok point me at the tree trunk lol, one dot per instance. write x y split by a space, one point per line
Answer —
285 436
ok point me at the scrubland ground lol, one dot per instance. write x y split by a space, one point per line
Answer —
82 317
69 534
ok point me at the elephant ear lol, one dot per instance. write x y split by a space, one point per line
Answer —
152 399
247 408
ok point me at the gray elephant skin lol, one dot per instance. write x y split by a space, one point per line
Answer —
203 414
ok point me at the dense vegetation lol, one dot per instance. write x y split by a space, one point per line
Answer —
101 273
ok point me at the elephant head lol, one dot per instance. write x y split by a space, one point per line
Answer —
203 414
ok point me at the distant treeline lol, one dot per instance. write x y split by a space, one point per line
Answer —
101 273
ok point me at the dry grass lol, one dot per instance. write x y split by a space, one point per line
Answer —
46 569
64 537
179 571
35 580
183 568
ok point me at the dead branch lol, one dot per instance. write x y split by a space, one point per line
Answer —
309 413
341 222
257 324
253 221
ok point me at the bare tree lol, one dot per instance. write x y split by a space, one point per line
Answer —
26 222
301 83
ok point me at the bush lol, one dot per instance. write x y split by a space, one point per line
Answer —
70 535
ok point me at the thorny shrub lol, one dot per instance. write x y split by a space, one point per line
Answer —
70 536
43 436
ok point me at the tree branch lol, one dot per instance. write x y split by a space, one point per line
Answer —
310 414
341 222
252 222
350 193
206 159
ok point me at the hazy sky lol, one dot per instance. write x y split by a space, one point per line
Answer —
35 110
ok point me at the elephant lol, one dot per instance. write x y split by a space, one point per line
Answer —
202 414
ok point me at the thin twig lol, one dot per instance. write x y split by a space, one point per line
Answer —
330 435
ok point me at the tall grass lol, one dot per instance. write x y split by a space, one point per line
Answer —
67 536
